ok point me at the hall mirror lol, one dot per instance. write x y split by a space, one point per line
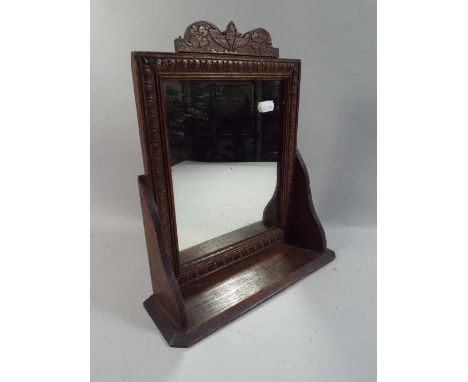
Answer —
224 142
227 209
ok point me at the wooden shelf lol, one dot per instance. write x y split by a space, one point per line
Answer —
218 298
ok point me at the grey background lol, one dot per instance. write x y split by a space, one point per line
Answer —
322 327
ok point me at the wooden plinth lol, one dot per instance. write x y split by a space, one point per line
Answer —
215 300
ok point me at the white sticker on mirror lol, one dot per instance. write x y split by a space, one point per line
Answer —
265 106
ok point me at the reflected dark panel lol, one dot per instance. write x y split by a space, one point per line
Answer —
224 141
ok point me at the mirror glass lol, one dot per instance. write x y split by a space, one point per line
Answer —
224 139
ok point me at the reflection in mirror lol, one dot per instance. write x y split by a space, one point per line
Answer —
224 139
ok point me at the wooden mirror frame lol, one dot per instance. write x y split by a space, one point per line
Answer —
192 300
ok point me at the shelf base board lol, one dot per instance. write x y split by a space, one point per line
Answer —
219 298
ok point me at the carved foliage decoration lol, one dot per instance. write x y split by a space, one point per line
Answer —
203 36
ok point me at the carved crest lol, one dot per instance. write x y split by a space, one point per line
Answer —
203 36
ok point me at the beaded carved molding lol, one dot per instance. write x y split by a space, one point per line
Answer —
152 69
225 257
202 36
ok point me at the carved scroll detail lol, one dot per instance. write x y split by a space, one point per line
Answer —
202 36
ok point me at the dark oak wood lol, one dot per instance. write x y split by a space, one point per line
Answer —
215 300
165 287
304 227
241 269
